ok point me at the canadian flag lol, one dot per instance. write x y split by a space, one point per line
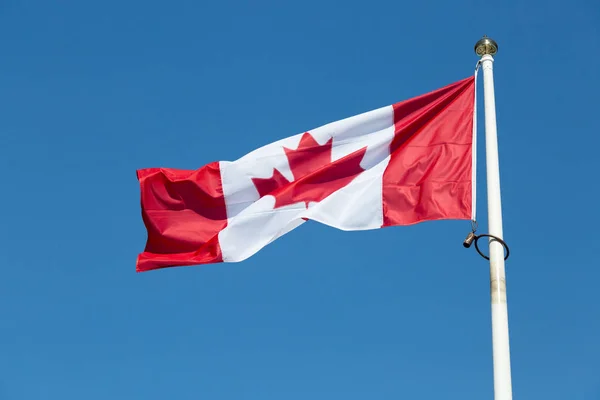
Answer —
397 165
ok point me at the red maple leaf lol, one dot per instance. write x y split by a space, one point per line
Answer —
315 175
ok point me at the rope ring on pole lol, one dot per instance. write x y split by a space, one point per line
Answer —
494 238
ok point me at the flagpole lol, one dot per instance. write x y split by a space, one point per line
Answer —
487 48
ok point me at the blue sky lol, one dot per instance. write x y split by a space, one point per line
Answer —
92 91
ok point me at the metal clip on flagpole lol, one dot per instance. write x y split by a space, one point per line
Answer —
486 48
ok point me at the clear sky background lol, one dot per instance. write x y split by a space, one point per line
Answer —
90 91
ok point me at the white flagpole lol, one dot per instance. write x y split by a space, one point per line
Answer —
486 48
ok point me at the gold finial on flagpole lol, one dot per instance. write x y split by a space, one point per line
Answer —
486 45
